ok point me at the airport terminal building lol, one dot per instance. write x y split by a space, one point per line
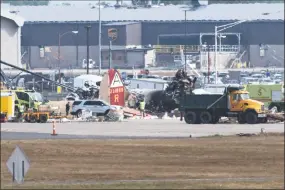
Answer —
153 36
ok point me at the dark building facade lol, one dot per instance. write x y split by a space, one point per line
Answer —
253 34
145 33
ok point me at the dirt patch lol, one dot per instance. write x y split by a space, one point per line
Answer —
63 162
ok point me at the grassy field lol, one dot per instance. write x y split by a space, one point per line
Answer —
251 162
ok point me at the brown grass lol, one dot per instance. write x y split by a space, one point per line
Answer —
59 163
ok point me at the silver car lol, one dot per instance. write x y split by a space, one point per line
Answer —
100 107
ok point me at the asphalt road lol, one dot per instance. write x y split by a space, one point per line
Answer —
156 128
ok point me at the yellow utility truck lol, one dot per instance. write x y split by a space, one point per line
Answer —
29 98
7 104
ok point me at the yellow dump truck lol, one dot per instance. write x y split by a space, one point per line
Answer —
209 108
7 104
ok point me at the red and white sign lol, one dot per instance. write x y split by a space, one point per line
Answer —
117 89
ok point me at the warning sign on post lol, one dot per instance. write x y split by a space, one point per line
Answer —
116 82
117 90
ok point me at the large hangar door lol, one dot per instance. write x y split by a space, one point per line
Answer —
135 59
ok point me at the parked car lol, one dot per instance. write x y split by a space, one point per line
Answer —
266 81
100 107
249 80
258 76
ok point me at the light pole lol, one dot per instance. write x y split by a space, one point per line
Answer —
217 30
87 44
58 54
185 34
99 40
99 36
224 27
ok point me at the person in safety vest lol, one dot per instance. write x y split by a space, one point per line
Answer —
142 106
21 110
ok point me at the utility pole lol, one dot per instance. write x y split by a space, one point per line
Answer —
99 40
185 57
209 63
87 42
110 54
58 57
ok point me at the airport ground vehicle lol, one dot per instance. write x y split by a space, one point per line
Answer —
270 94
28 98
208 108
99 107
33 117
7 104
10 108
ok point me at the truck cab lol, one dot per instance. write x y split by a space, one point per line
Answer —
247 109
240 101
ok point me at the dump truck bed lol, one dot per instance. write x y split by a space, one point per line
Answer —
203 101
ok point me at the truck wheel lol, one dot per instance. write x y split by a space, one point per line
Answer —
251 118
79 113
43 118
205 117
190 117
33 119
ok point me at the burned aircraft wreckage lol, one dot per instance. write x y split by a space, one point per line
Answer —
156 101
168 99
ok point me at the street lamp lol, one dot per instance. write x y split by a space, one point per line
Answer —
99 41
185 34
99 36
58 55
217 29
224 27
87 45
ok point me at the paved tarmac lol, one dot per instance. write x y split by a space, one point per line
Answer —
156 128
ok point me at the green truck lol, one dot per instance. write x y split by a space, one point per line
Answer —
270 94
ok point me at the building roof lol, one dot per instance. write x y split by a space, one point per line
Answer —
213 12
120 23
17 19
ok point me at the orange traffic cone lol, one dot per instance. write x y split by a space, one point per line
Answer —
53 129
